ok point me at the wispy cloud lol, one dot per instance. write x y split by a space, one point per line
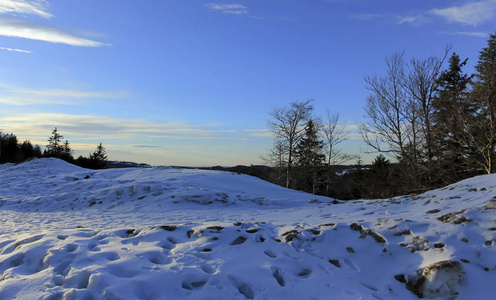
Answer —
15 50
12 27
262 133
70 93
88 127
36 126
467 33
144 146
24 101
414 19
21 97
38 8
471 13
236 9
15 26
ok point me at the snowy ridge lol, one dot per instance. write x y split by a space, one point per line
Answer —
161 233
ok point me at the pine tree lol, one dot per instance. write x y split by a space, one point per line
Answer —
54 148
380 178
453 111
67 152
27 150
99 157
310 158
10 148
37 151
308 152
57 149
484 93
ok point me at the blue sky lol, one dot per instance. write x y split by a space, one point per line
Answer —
175 82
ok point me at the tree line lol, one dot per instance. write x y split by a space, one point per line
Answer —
438 126
12 151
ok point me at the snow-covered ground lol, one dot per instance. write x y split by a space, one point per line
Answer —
163 233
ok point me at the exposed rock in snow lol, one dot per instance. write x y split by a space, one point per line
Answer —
437 280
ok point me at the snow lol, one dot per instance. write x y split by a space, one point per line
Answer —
164 233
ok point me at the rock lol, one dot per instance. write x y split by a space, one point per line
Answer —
377 237
335 262
417 243
437 280
454 218
491 204
290 235
401 278
367 232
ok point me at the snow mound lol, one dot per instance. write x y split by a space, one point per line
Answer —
163 233
53 185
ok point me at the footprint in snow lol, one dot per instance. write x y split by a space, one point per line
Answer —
193 282
242 287
276 272
156 257
270 253
209 269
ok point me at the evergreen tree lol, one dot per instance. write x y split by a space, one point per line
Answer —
99 157
453 111
55 148
310 158
9 149
67 152
308 152
379 176
27 150
37 151
484 93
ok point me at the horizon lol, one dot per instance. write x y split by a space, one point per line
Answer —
192 84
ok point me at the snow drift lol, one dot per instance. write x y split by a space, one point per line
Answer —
164 233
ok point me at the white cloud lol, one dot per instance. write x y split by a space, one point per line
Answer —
12 27
25 7
71 93
262 133
21 97
413 19
15 50
471 13
24 101
144 146
21 28
236 9
103 127
468 33
145 133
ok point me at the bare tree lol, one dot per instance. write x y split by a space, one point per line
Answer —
400 112
334 133
277 158
421 85
386 129
288 125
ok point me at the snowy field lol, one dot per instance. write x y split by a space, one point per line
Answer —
163 233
